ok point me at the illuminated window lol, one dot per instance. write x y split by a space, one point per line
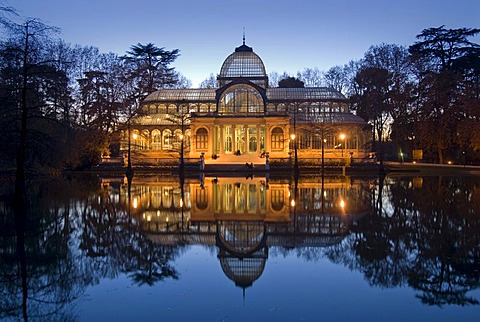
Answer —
167 140
241 99
156 140
202 139
277 138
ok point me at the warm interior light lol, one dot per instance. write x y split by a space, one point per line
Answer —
342 204
292 203
181 136
292 136
135 203
342 136
134 136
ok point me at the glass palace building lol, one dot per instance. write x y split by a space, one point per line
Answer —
244 118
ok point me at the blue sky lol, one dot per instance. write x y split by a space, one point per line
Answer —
288 35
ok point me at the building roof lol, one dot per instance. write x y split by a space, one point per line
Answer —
329 118
190 95
207 95
243 63
304 94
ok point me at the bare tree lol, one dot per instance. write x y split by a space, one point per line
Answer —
210 82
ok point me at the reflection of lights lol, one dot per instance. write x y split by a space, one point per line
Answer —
135 203
293 202
342 204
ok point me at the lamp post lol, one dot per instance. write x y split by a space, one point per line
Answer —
181 152
295 165
323 154
342 137
129 171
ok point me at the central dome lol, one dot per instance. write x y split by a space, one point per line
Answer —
244 64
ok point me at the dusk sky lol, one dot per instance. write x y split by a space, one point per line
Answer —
288 35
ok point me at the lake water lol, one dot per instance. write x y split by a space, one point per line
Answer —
162 248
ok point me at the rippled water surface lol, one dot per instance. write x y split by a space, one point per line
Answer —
242 249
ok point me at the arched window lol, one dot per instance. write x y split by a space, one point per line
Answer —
167 140
156 140
252 144
241 99
201 139
139 140
277 138
303 140
186 139
145 142
177 139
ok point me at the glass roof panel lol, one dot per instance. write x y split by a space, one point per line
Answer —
243 64
178 95
304 94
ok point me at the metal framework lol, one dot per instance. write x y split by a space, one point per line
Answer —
245 116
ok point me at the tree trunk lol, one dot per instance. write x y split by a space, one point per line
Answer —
440 155
20 186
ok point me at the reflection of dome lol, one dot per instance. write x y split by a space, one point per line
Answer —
241 237
243 63
244 271
242 250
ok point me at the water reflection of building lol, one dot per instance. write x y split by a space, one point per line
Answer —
243 217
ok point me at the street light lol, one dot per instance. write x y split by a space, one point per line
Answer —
129 171
181 152
323 154
342 137
293 137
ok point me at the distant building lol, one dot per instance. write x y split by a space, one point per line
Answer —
244 118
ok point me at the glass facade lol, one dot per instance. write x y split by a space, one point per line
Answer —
241 99
246 117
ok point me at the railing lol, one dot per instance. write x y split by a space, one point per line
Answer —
112 161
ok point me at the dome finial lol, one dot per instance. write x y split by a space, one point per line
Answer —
244 35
